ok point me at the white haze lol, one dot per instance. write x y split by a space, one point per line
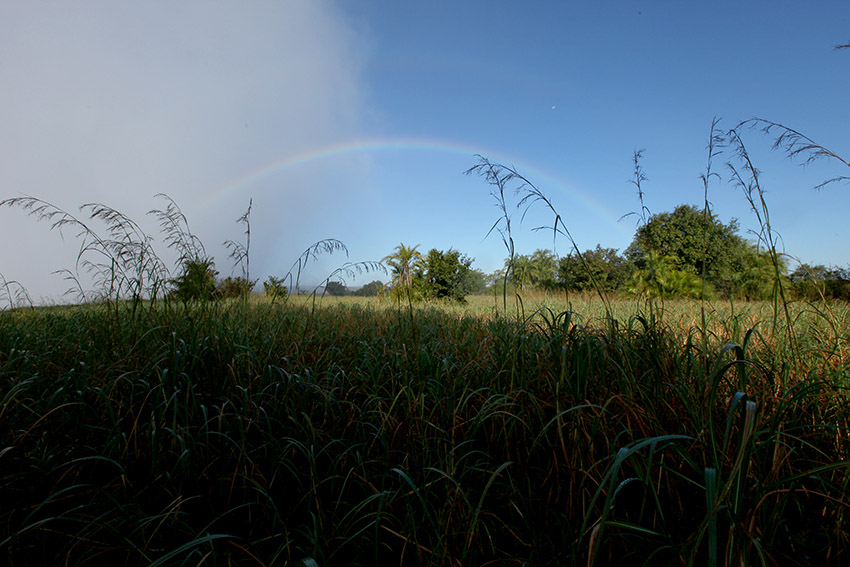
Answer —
114 102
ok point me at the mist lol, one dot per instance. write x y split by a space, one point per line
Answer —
116 102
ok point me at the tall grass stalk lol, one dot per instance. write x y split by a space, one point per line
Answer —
748 180
501 177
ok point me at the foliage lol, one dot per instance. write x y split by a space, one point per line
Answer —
275 288
694 241
754 273
370 289
602 267
234 287
336 289
197 282
476 282
404 262
520 271
446 275
820 282
537 270
660 278
237 433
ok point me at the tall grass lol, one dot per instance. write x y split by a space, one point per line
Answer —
330 434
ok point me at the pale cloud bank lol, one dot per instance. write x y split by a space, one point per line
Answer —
116 101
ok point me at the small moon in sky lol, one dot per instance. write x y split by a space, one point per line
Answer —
554 107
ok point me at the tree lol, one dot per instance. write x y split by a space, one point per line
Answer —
403 262
754 276
816 282
603 267
475 282
807 273
520 271
371 289
538 270
544 268
336 289
661 279
447 275
690 240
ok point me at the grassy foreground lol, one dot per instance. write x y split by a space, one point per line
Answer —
358 433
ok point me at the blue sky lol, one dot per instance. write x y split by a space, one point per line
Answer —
355 120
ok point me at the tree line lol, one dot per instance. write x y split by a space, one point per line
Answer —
684 253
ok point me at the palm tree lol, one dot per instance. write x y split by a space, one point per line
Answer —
543 268
403 261
522 270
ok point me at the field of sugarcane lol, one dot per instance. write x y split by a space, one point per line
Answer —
548 431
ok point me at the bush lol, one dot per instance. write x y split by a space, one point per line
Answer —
275 288
197 282
234 287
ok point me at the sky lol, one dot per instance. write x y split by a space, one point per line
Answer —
356 120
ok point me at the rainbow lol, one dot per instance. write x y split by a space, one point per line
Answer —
546 181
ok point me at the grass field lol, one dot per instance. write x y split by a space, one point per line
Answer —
344 431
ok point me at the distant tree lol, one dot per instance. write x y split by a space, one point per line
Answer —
520 271
233 287
604 266
754 276
544 269
371 289
446 275
336 289
815 282
496 281
537 270
476 282
807 273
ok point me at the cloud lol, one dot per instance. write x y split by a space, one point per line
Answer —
114 102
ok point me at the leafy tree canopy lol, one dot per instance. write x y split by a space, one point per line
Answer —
335 288
661 279
371 289
602 267
447 275
820 282
690 240
404 261
538 270
476 281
